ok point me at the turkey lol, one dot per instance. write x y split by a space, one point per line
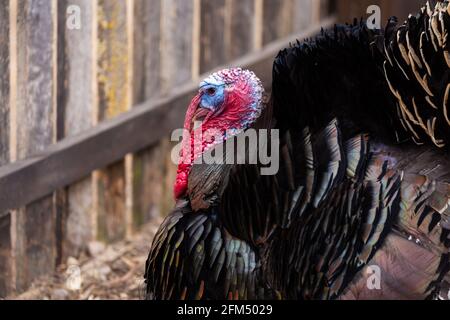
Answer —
363 184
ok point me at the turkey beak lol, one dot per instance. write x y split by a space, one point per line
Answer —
199 116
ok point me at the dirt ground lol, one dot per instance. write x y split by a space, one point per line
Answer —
104 273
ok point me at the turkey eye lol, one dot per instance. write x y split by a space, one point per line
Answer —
211 91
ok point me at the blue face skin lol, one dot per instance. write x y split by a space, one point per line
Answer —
213 96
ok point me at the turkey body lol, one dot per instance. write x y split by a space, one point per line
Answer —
363 183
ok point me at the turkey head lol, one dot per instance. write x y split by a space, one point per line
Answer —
228 102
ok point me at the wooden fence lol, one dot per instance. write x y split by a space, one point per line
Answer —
89 93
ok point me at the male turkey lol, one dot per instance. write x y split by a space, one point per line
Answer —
364 177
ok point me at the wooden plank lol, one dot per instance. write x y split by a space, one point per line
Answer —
303 14
75 157
241 37
36 60
278 18
259 25
6 283
196 39
35 97
5 222
212 39
332 7
146 85
77 100
4 84
147 184
325 8
176 43
147 56
114 93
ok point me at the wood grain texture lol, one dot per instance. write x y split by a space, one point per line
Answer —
35 76
4 84
303 14
146 84
6 283
176 43
36 39
278 19
114 98
241 36
111 203
5 222
147 184
36 242
76 106
326 8
146 52
113 59
212 35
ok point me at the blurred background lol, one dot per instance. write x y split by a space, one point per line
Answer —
89 94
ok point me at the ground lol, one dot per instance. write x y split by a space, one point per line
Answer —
107 272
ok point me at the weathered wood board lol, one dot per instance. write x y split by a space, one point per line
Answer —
177 18
146 35
35 107
114 94
303 14
278 19
4 84
76 105
6 281
146 84
212 35
240 40
111 204
5 222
